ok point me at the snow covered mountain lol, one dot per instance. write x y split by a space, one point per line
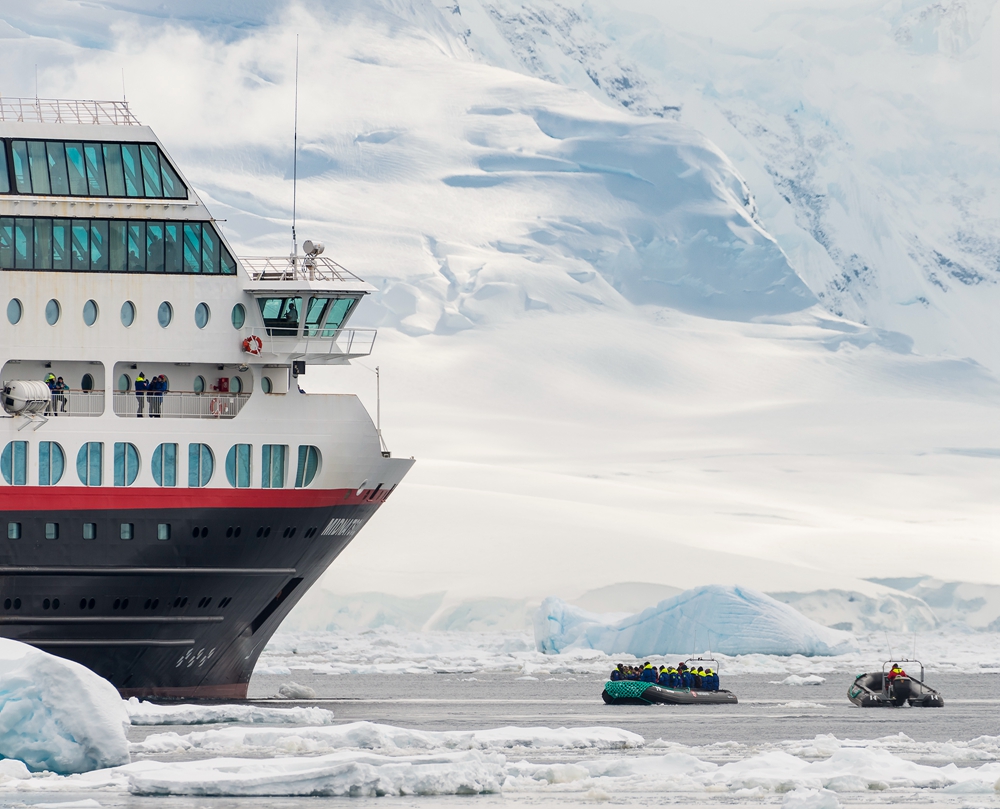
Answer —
607 243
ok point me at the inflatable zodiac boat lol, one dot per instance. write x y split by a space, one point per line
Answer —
878 689
632 692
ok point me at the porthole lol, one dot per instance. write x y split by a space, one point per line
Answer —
124 383
90 604
83 603
199 384
201 315
89 532
239 316
90 312
46 604
229 532
52 312
126 530
55 603
163 530
117 604
265 384
13 530
17 603
204 532
165 314
14 311
235 385
87 383
128 314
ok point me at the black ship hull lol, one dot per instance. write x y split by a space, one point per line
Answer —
178 591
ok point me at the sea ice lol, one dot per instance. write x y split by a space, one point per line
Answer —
148 713
56 714
731 620
386 739
795 679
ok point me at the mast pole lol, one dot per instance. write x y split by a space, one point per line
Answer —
295 157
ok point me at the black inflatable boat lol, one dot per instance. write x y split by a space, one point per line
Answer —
632 692
877 689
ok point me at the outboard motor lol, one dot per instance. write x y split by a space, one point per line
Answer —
24 397
900 689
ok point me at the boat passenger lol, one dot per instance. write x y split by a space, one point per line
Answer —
648 673
141 386
697 676
675 678
666 678
686 679
50 381
59 396
710 681
895 672
616 673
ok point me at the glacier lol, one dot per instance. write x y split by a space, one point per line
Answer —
730 620
57 715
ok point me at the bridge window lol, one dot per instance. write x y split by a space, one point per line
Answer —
272 466
113 245
89 463
14 463
201 465
281 315
126 463
308 466
51 463
238 466
325 315
76 169
165 465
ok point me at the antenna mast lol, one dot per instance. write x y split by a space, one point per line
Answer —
295 155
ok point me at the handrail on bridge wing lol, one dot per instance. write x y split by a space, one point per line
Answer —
296 268
66 111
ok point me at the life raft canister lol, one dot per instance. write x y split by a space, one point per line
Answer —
253 345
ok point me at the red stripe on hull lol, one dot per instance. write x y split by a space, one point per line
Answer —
75 498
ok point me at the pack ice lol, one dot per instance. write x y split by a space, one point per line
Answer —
727 619
58 715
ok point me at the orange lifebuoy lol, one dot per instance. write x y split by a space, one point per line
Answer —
253 345
218 407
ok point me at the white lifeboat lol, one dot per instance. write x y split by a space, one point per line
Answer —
24 396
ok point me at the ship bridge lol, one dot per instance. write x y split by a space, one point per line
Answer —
304 302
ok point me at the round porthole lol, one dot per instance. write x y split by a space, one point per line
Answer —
236 385
165 314
239 316
14 310
124 383
90 312
87 383
199 384
202 314
265 384
52 312
128 314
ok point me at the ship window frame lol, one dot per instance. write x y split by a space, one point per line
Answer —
116 245
164 464
127 464
96 311
304 476
14 463
20 311
202 320
51 463
13 530
91 529
239 307
239 466
273 466
165 314
52 530
201 465
90 463
131 314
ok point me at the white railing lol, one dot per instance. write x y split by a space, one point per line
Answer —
76 403
65 111
296 268
179 405
346 343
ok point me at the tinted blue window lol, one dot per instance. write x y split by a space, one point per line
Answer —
272 466
14 463
126 463
201 465
51 463
89 463
4 176
165 465
238 466
307 467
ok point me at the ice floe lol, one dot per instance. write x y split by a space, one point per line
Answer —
795 679
386 739
148 713
56 714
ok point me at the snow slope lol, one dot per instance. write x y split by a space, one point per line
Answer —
731 620
573 343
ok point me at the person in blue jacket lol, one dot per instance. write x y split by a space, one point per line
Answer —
664 678
648 673
616 673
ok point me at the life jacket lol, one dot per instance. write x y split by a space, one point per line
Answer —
615 675
648 675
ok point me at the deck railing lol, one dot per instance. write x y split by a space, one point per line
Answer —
296 268
65 111
179 405
76 403
346 343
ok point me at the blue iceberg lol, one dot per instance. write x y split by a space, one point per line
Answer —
725 619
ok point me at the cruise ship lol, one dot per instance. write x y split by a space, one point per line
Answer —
167 490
